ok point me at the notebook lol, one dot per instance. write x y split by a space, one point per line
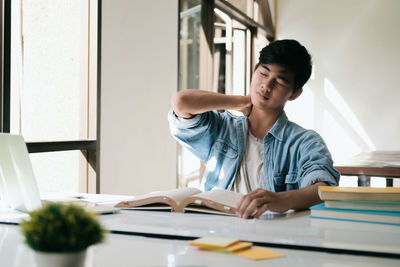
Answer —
18 187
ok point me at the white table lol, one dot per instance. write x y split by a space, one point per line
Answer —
125 250
292 231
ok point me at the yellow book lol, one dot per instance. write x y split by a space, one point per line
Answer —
359 193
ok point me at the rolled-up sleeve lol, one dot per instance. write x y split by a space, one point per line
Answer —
197 133
178 122
316 164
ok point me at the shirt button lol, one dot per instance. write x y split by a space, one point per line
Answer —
225 149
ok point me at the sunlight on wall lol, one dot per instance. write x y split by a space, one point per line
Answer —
339 142
327 112
343 132
302 111
343 108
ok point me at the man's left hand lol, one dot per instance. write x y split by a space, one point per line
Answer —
255 203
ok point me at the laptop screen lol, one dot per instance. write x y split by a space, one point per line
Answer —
18 186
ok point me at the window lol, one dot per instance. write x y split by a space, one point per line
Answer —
52 100
219 43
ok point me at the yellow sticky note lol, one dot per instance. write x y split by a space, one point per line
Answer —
238 246
213 242
257 253
232 248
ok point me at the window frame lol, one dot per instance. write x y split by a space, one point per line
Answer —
90 148
5 58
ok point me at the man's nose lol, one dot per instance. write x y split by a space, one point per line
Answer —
269 85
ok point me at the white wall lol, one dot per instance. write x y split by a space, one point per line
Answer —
139 75
353 98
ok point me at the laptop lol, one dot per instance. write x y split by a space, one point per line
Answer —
18 187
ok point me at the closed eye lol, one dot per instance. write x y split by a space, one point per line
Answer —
283 80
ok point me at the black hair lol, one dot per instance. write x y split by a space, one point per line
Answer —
291 55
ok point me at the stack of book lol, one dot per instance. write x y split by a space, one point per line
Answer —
358 204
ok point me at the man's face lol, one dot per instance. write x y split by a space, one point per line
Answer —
271 86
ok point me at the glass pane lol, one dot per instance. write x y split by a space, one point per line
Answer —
260 41
240 4
49 83
189 42
239 62
189 173
59 171
219 50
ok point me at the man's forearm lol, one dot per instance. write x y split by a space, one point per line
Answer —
305 197
188 103
255 203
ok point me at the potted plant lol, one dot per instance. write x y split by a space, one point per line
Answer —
61 233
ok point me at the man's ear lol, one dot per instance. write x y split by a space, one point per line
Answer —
296 94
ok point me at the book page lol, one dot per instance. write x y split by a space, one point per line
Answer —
181 193
220 200
204 209
224 197
170 197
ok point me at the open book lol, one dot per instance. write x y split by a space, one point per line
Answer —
186 199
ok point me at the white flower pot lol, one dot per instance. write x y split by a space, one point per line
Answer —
62 259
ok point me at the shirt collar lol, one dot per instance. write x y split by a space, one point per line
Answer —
278 129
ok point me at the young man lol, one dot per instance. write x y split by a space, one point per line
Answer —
276 163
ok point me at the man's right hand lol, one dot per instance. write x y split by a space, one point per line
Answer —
246 110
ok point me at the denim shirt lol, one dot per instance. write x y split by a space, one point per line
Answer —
293 156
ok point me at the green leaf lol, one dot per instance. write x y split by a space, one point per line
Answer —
62 228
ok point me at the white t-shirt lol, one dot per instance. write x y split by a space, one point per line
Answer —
250 174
